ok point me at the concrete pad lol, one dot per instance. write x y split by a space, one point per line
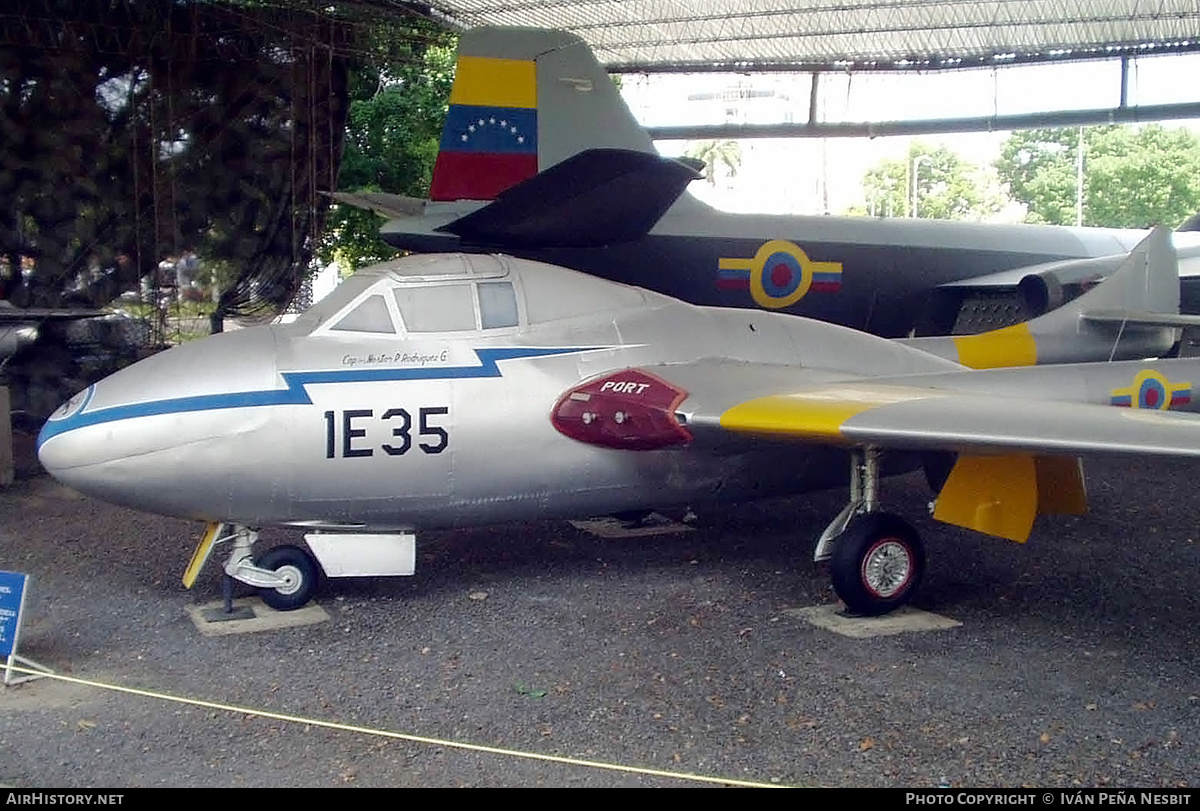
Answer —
262 617
654 524
901 621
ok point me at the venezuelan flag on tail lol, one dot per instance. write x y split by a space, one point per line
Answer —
489 141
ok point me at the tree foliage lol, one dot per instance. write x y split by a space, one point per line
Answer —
719 157
1133 177
947 187
136 130
397 106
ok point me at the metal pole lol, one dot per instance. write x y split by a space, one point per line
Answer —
916 164
1079 180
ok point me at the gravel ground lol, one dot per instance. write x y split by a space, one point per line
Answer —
1074 664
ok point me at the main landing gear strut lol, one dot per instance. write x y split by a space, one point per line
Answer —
876 558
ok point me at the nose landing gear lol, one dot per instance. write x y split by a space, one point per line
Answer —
286 576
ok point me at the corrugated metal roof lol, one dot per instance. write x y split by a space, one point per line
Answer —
675 35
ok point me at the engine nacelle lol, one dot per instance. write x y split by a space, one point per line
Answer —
1039 293
1056 283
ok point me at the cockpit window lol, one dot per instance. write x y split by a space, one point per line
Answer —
436 308
497 305
370 316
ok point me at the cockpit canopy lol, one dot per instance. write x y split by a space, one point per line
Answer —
458 293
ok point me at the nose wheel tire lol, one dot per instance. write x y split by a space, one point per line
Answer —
877 564
299 571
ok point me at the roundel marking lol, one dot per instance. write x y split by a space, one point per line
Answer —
1153 391
780 274
1152 394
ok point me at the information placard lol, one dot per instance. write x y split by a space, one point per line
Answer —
12 601
12 597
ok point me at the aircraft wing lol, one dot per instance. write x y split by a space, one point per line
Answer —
892 416
10 315
1064 271
1066 409
1043 287
1139 318
1012 432
392 206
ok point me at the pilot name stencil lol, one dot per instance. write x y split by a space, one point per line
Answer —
401 358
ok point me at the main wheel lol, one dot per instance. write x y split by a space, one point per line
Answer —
299 571
877 564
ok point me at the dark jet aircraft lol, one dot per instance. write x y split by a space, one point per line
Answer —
541 158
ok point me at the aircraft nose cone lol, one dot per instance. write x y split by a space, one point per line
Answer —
59 456
140 437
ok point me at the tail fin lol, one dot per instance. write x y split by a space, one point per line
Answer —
523 100
1131 314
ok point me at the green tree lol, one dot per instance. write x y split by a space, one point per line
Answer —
206 129
947 187
1039 168
397 106
1133 176
716 155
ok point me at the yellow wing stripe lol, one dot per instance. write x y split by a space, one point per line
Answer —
488 82
818 414
1010 346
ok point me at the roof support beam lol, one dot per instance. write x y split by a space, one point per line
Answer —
832 129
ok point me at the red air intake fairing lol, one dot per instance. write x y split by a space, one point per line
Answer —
630 410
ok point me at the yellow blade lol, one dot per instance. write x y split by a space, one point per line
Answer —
200 556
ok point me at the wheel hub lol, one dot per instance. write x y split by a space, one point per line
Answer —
886 568
291 579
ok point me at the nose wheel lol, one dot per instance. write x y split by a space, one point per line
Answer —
298 573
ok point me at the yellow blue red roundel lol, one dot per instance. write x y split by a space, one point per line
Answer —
1152 390
779 274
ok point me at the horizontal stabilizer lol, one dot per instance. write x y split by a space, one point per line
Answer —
597 197
1140 318
392 206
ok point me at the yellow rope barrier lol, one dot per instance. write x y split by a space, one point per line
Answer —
471 747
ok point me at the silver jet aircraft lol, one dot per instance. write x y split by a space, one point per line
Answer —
447 390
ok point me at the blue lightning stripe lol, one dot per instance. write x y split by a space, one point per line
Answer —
296 392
